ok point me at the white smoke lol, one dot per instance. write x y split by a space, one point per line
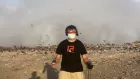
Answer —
35 22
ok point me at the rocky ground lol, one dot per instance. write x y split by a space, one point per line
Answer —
111 62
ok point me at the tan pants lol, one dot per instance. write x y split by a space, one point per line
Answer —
71 75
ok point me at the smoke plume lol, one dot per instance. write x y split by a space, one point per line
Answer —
43 22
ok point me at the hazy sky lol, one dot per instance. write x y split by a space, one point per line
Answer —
34 22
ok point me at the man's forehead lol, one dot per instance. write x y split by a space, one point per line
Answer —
71 30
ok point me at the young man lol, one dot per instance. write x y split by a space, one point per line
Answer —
71 50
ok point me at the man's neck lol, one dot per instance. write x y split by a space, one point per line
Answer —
73 40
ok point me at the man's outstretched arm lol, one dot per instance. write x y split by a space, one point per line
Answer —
57 58
87 62
85 58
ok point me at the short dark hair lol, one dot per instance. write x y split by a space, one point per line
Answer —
71 27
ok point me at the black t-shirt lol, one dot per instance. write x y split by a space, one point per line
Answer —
71 52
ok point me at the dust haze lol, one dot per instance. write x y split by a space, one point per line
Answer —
35 22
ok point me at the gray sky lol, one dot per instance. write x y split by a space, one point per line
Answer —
34 22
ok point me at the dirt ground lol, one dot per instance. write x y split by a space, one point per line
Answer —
31 65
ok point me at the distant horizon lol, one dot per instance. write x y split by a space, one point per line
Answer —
20 46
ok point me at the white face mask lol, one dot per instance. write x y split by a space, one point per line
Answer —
71 36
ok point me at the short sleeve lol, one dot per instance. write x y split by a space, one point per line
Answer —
58 49
82 49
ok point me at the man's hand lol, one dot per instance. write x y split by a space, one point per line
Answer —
89 65
56 61
53 64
